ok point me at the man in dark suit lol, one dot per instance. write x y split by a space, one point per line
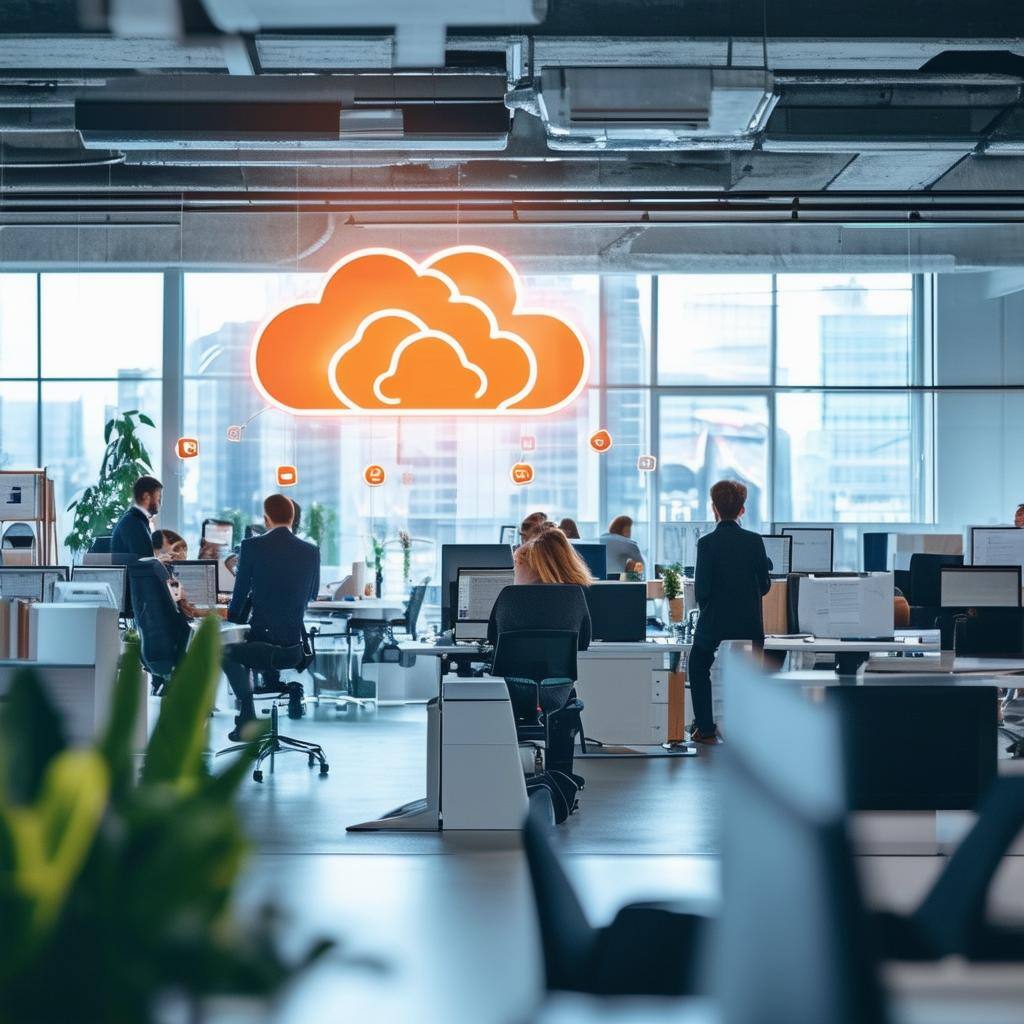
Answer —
278 575
731 577
133 534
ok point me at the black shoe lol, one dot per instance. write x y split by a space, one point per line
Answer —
236 734
296 700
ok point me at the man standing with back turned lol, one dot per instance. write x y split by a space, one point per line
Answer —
731 577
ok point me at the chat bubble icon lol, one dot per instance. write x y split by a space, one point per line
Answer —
287 476
647 463
600 441
521 473
187 447
374 476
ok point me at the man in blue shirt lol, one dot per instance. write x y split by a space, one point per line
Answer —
277 576
133 534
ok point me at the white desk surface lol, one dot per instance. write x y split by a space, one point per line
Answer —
912 642
364 604
812 678
596 649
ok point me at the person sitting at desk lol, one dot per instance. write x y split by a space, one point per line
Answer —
533 524
620 547
731 577
278 575
569 528
548 558
169 546
133 534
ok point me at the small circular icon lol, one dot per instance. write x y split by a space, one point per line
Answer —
374 476
600 441
187 447
287 476
521 473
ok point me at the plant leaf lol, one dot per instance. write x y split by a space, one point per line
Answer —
31 735
175 751
116 744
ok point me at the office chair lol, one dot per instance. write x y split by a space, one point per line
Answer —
982 632
264 657
100 546
793 941
951 920
926 576
648 949
407 623
163 630
539 668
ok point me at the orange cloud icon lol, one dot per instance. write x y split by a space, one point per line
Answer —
390 336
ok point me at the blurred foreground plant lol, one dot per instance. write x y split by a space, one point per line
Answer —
114 893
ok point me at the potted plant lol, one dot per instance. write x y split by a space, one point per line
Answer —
322 530
125 459
124 888
405 542
672 579
377 544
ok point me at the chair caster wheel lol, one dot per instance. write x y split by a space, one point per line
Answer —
323 770
257 776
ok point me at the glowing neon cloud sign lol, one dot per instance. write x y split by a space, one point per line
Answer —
448 336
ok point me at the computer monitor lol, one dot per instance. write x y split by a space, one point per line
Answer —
779 549
115 575
466 556
618 611
31 582
847 607
508 534
477 590
997 545
218 531
812 548
198 578
975 586
596 557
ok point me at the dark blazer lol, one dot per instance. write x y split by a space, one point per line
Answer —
731 577
132 535
278 575
541 606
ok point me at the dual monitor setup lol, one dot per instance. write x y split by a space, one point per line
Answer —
37 583
473 575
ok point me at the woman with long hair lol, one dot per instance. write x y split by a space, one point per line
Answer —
550 558
569 528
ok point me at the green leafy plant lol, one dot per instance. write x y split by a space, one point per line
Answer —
672 578
405 542
115 893
322 529
125 459
238 520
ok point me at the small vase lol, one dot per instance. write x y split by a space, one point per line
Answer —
675 609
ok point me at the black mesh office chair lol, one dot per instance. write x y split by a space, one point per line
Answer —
648 949
260 657
163 630
100 546
407 623
952 920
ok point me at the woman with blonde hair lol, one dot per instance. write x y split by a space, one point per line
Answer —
550 558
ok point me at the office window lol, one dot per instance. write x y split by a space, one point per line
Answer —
841 330
75 349
18 334
626 326
842 457
714 328
706 438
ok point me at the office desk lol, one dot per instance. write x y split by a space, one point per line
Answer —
625 687
366 607
851 654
